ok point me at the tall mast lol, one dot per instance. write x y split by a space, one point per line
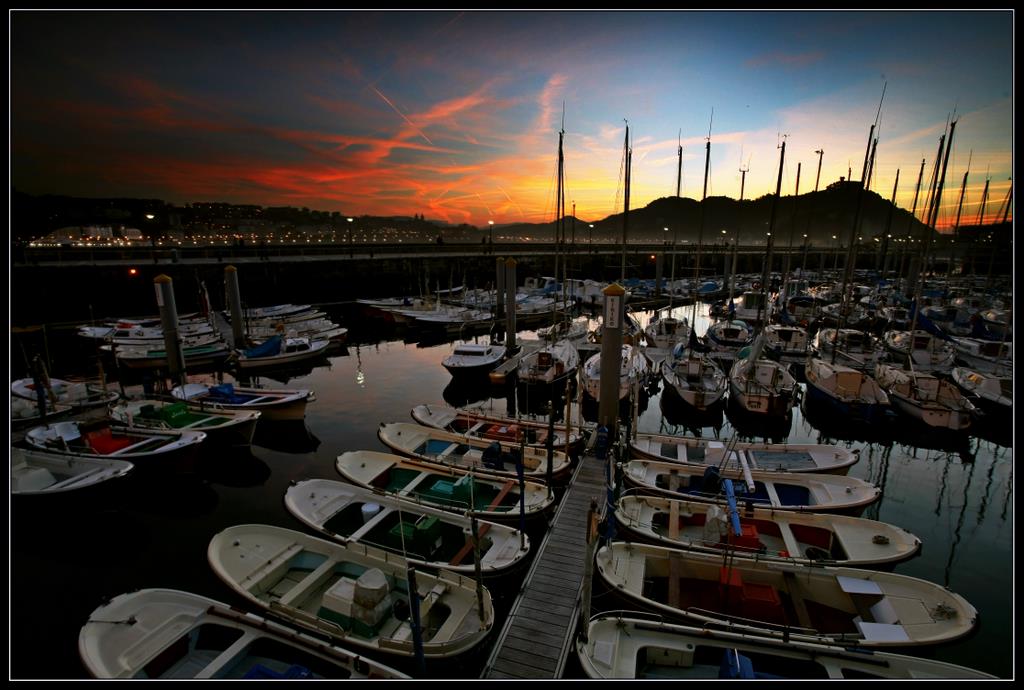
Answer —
675 225
560 200
888 224
905 249
736 238
792 227
817 179
700 231
930 229
959 210
766 272
865 174
628 153
984 200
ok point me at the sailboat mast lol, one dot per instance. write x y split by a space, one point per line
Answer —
984 200
675 228
625 212
560 200
736 238
767 270
792 227
930 229
700 231
888 223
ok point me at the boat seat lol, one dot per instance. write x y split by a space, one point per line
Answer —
105 443
468 546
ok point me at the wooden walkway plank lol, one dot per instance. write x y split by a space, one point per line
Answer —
542 622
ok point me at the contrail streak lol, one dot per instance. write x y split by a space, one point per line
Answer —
401 114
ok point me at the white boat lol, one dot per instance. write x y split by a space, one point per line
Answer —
726 338
279 351
425 535
925 397
80 395
493 428
666 331
849 393
226 427
633 372
928 352
25 413
171 634
275 404
354 594
627 644
853 348
785 601
786 344
695 378
800 491
554 363
156 358
985 356
449 488
762 386
473 358
454 320
992 394
573 331
766 457
460 450
40 473
101 439
765 534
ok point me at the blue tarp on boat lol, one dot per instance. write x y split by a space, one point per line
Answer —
267 349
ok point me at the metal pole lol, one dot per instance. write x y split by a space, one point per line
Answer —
510 304
476 566
414 612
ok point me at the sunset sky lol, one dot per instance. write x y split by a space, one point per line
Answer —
456 115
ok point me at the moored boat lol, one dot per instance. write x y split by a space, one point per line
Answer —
275 404
39 473
628 644
827 605
473 358
807 492
926 398
449 488
226 427
101 439
765 534
174 634
425 535
278 351
460 450
494 428
354 594
845 391
766 457
633 372
694 378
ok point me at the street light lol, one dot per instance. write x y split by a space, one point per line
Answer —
490 224
350 221
591 237
666 231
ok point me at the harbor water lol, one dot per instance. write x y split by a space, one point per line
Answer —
955 494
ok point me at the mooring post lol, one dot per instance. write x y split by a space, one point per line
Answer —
169 321
234 299
611 358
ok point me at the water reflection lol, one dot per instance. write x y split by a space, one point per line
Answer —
235 467
758 426
464 390
290 436
174 495
283 375
692 421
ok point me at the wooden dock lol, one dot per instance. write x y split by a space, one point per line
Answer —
538 635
